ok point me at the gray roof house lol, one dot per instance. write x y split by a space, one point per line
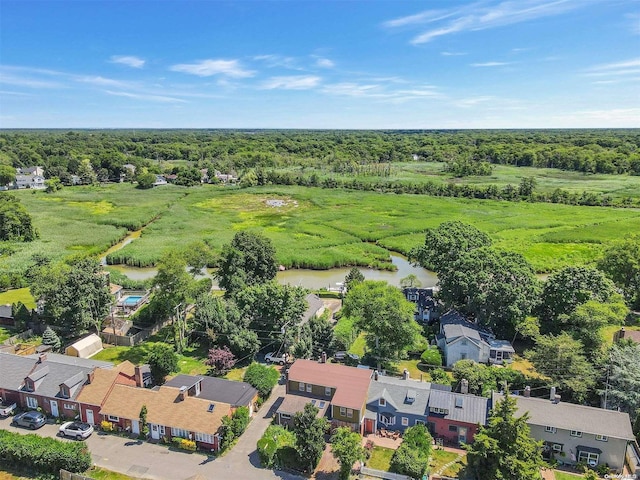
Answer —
15 369
455 417
315 306
576 433
236 394
395 403
460 339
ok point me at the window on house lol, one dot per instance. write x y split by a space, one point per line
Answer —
387 419
32 402
113 418
285 416
463 356
550 429
463 343
453 428
301 386
204 438
588 457
459 401
309 387
70 406
575 433
382 402
161 429
349 413
602 438
419 422
343 411
64 391
441 411
327 391
179 432
557 447
405 422
28 386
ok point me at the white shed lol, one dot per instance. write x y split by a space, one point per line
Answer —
85 347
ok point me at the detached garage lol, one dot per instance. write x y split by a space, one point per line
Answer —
85 347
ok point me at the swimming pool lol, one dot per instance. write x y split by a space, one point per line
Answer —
131 301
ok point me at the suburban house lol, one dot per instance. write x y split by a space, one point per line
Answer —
30 181
460 339
160 180
236 394
48 381
94 394
576 433
622 334
337 390
225 177
397 403
116 291
171 412
456 417
425 303
315 307
30 171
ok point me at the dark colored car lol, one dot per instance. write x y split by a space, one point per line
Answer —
30 420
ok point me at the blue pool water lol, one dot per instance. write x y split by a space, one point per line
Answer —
131 301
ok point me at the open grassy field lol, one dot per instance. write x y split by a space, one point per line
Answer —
312 227
18 295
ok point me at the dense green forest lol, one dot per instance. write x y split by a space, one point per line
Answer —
61 151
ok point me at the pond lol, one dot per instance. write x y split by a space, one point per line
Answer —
317 279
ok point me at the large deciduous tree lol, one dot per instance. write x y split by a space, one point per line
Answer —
76 295
162 361
621 262
498 288
309 430
386 316
250 259
7 175
221 360
623 390
565 290
504 449
412 457
562 359
347 448
15 221
446 243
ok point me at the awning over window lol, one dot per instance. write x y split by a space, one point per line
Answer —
583 448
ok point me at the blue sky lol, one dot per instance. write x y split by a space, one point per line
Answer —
320 64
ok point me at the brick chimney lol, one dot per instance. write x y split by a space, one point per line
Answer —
183 393
42 358
90 376
138 376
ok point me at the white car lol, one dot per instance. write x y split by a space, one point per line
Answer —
77 430
274 357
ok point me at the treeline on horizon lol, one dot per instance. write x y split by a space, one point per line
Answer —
60 152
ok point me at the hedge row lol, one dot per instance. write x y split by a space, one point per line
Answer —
43 455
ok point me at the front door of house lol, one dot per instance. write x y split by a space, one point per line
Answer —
155 434
90 419
135 427
54 408
462 434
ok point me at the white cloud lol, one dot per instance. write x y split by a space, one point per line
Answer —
626 67
274 61
143 96
294 82
102 81
472 101
490 64
352 89
28 82
208 68
129 60
325 63
452 54
634 23
482 15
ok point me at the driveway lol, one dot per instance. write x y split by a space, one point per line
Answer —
145 460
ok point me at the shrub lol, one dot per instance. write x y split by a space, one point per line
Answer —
106 426
432 356
189 445
262 378
43 455
408 461
276 447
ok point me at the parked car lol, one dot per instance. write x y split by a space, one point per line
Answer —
78 430
274 357
6 409
342 356
30 420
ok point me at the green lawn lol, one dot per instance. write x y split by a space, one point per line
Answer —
5 333
102 474
237 374
321 228
18 295
358 345
380 458
440 458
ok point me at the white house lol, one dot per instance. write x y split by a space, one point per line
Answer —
460 339
30 181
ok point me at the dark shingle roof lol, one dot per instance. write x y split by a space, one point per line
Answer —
217 389
396 391
74 361
55 374
461 407
14 369
569 416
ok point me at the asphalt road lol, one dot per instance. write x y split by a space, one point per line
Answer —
140 459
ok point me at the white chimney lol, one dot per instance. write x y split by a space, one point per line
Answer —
464 386
527 391
323 357
183 393
375 375
552 394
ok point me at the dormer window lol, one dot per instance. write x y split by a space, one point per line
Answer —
459 401
382 402
28 385
64 391
411 396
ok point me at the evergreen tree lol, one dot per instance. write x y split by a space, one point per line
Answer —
309 430
49 337
505 450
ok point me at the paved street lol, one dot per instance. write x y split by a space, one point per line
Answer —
145 460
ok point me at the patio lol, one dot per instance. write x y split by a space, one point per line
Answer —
380 441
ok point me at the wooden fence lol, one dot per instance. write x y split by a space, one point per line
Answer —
132 340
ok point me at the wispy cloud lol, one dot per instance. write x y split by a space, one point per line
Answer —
143 96
472 101
625 67
452 54
490 64
128 60
294 82
352 89
102 81
208 68
481 16
279 61
325 63
27 81
634 23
